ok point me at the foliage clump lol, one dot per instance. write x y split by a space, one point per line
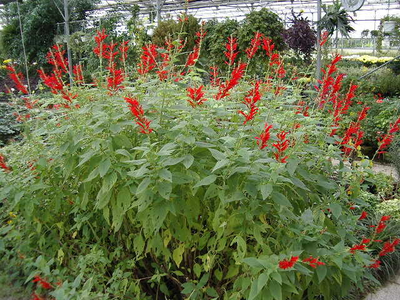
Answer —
168 187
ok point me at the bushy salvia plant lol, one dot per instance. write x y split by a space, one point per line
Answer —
166 188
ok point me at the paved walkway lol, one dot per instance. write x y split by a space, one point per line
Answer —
390 291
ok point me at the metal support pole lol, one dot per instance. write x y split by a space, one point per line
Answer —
158 12
319 64
67 34
23 48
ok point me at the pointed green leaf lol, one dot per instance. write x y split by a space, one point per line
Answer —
104 166
143 185
206 181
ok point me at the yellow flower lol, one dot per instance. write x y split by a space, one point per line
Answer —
12 215
9 222
7 61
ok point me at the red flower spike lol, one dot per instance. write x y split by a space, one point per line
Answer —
196 96
366 241
214 80
193 57
253 96
148 59
264 137
282 145
123 48
17 78
254 45
115 79
78 73
287 264
237 74
231 51
385 218
138 112
324 38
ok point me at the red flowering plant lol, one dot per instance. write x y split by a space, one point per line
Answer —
163 181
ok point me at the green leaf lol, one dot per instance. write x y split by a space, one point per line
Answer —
280 199
220 164
276 290
292 166
164 189
167 149
206 181
321 273
266 190
277 277
254 262
177 255
143 185
297 182
188 161
258 285
172 161
217 154
336 209
104 166
165 174
124 199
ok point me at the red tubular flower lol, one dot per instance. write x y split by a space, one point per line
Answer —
17 78
375 265
36 297
287 264
78 73
381 225
282 145
366 241
46 285
313 262
355 248
363 113
389 247
115 79
196 96
253 96
254 45
231 51
138 112
237 74
268 46
52 81
364 215
148 59
192 57
264 137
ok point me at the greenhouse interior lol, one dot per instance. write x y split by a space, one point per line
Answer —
199 150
